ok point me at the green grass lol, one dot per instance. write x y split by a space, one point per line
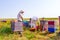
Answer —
5 33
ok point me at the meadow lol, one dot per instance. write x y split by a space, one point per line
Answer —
7 34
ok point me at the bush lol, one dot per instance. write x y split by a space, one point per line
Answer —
4 30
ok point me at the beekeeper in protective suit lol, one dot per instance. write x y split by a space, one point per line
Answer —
20 16
20 21
33 22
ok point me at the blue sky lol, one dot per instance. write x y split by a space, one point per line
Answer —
38 8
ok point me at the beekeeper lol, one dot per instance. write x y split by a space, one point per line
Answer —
42 23
33 22
20 19
20 16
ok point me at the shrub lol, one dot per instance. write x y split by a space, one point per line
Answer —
4 30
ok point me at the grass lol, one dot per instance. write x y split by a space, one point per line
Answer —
5 33
27 35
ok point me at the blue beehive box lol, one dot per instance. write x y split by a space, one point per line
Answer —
51 26
51 30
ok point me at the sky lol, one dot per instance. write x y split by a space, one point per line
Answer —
38 8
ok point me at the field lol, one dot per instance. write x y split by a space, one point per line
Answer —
6 33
